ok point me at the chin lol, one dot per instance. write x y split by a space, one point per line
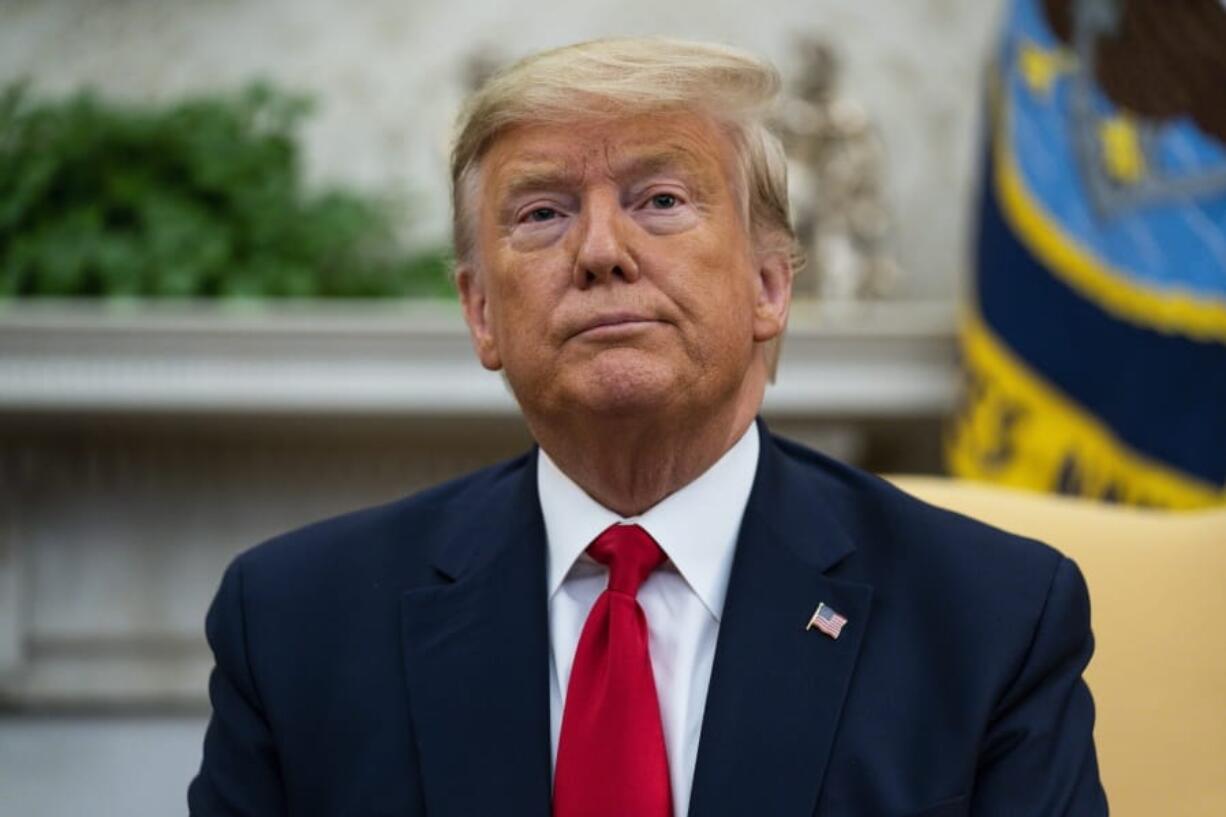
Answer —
617 384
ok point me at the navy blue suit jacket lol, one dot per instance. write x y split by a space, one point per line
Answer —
394 661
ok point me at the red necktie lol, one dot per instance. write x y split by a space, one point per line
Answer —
611 756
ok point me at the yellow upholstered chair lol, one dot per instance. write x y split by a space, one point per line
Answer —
1158 608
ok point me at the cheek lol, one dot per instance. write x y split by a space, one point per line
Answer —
722 296
523 301
715 279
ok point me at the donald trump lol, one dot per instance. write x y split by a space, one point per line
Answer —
661 609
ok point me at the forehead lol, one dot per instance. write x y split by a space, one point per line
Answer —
583 149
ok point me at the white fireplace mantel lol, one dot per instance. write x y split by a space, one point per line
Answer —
879 360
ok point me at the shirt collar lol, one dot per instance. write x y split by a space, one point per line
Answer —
696 526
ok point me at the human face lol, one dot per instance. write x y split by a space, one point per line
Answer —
613 272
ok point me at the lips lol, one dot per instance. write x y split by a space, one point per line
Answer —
613 323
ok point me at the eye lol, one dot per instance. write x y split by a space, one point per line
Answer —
540 214
664 201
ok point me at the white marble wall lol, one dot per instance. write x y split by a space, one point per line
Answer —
388 76
98 766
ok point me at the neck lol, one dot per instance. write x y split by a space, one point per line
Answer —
633 462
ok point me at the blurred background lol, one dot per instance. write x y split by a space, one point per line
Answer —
225 311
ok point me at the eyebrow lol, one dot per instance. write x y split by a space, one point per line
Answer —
668 157
540 173
542 177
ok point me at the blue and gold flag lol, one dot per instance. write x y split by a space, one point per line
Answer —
1094 339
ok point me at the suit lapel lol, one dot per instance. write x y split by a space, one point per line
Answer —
777 689
476 652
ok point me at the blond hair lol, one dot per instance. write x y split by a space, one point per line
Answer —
616 78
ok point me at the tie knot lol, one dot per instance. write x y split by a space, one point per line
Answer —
630 553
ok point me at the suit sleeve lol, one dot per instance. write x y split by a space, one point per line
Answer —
1038 757
239 773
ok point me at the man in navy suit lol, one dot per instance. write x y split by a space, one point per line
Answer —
662 609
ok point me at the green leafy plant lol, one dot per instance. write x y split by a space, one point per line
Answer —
204 197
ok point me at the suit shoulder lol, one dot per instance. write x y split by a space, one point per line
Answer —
890 526
949 588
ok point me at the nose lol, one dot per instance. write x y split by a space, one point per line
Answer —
604 254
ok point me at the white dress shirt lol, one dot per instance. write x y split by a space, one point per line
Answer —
683 599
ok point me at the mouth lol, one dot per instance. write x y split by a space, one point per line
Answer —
614 325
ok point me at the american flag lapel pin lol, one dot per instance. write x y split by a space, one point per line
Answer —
827 620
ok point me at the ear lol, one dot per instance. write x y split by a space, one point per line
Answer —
773 295
476 304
